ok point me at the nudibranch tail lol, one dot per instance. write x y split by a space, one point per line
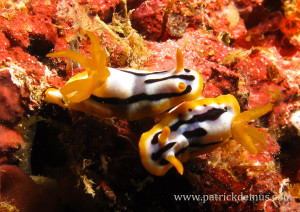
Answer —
247 135
77 90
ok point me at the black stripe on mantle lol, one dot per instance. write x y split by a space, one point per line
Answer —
210 115
139 97
181 76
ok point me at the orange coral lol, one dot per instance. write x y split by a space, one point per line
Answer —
290 25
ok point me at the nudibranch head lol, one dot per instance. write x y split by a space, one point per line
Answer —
198 127
125 93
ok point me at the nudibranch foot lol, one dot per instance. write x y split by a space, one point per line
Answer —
198 127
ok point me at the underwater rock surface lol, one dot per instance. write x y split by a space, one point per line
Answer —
244 48
21 192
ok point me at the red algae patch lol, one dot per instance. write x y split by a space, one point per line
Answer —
11 109
9 138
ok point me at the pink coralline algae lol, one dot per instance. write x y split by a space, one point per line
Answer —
148 18
249 49
9 138
10 141
10 111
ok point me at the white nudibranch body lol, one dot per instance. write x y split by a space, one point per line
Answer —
126 93
135 94
197 127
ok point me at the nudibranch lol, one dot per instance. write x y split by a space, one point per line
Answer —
125 93
198 127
